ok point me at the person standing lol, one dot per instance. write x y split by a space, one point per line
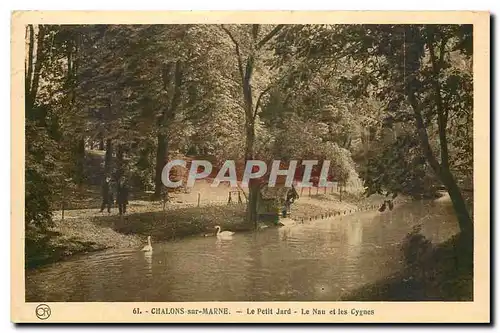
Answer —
107 195
291 196
122 196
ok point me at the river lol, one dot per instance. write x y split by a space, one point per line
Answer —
316 261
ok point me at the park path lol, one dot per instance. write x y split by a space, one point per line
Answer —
202 194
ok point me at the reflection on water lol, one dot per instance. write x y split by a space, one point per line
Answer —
148 258
318 260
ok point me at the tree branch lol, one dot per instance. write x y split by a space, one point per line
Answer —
176 98
249 69
423 136
441 61
282 78
257 105
255 31
38 66
441 51
237 50
442 117
247 88
29 72
270 35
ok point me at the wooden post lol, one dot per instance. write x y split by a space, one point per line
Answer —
309 191
62 203
199 197
164 197
229 199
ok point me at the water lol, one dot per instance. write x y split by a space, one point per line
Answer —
319 260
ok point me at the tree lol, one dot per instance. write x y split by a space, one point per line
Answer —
47 164
248 49
434 45
38 190
413 70
419 73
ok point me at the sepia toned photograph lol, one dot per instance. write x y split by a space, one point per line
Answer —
221 162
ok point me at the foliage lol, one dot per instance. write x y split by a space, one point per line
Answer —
415 247
38 183
421 74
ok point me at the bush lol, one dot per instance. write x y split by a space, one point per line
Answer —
415 248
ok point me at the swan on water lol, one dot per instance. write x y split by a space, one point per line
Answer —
223 233
148 248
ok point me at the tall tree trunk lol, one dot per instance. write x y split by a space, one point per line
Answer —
443 172
101 143
253 186
246 72
167 116
161 160
29 67
79 147
441 169
108 157
463 216
37 66
34 66
120 170
79 158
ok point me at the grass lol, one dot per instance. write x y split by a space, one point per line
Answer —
69 238
89 233
88 196
177 223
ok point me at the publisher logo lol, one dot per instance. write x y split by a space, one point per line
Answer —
42 311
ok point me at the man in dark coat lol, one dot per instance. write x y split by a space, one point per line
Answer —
122 196
291 196
107 195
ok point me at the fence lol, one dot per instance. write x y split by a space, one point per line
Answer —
345 212
233 197
337 188
236 197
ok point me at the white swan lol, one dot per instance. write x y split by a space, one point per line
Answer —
223 234
148 248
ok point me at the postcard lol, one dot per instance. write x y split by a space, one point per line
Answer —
250 167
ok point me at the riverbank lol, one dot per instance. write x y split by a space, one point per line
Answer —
87 230
445 275
94 231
